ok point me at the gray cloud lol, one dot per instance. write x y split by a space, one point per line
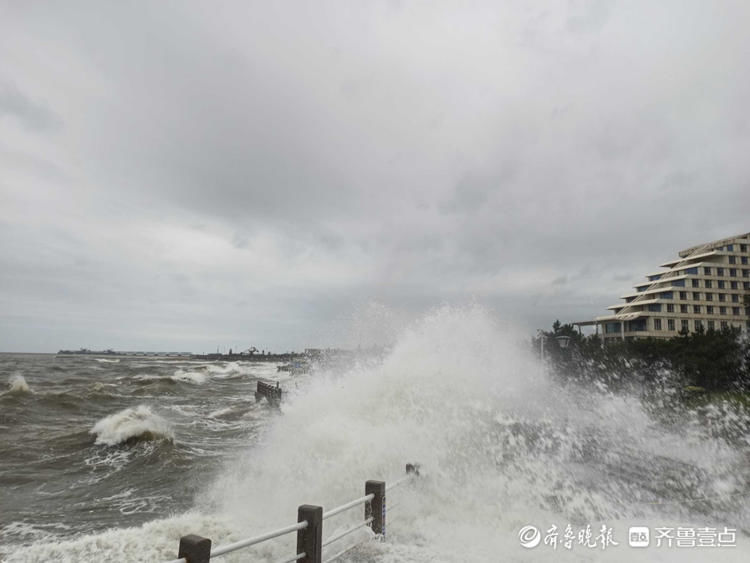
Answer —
32 114
261 171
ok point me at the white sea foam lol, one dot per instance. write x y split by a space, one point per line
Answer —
139 423
108 361
195 377
230 370
221 412
155 541
222 369
116 459
17 384
141 377
26 532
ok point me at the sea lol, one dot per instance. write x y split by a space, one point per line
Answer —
114 459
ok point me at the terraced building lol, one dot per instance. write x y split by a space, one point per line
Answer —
707 286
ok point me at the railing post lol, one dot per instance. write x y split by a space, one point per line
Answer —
194 549
310 539
376 507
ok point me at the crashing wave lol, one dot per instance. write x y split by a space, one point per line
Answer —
17 384
132 425
229 370
189 377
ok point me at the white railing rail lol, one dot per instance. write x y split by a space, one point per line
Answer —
347 506
258 539
295 558
309 528
399 482
348 531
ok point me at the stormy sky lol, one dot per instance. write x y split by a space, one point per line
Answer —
182 175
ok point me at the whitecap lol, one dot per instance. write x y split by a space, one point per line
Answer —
195 377
139 423
17 384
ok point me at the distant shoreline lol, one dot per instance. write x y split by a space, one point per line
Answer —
285 357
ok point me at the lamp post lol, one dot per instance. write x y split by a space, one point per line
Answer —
562 341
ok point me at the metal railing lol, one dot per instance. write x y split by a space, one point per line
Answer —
309 528
272 393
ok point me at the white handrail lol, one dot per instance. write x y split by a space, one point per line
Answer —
295 558
401 481
258 539
412 471
348 505
347 531
340 553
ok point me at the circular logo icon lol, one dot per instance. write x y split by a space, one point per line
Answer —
529 536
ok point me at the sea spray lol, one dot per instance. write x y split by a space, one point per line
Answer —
433 400
132 424
500 444
17 384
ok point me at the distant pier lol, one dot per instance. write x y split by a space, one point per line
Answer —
288 357
218 357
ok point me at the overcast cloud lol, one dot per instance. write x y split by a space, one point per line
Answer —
179 175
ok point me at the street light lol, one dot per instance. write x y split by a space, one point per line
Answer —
562 341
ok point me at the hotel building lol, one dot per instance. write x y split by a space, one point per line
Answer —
707 286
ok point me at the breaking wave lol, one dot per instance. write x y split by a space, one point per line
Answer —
17 384
132 425
194 377
227 370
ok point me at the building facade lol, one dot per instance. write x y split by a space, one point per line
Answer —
707 286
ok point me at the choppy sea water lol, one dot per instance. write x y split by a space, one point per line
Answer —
103 459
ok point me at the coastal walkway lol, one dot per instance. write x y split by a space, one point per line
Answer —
309 528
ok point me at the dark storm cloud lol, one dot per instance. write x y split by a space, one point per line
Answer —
259 170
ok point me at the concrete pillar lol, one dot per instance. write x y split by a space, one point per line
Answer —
376 507
194 549
310 539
